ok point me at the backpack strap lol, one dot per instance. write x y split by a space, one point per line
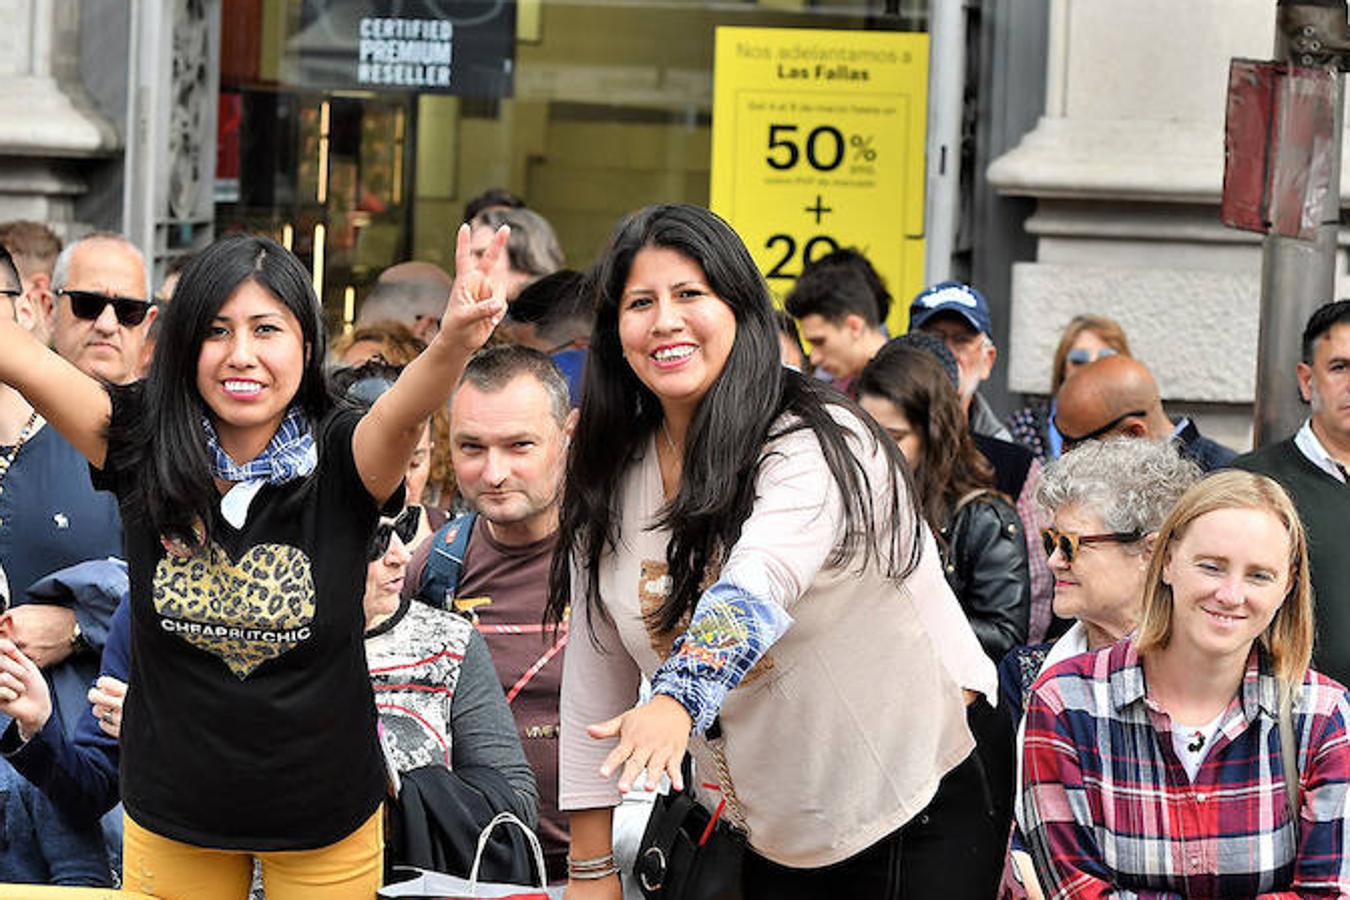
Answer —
440 576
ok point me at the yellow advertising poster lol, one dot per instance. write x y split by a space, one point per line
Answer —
818 143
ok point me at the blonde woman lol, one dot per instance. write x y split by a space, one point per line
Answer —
1155 767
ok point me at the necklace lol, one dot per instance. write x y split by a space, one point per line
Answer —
7 459
670 441
670 471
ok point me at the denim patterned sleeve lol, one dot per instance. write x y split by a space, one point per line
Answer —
730 630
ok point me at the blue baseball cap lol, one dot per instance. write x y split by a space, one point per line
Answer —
951 297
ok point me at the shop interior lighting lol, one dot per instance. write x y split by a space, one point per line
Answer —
319 233
322 192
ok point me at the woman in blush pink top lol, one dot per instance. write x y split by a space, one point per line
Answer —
748 540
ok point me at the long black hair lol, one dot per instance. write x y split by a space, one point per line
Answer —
724 447
165 449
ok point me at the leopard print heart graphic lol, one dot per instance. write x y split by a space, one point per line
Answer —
244 612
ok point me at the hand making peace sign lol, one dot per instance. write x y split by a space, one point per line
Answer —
476 302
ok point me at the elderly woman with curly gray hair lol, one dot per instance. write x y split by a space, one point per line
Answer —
1105 501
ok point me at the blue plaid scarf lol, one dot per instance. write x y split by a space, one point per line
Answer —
290 455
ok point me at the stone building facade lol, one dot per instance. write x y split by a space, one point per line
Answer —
1126 169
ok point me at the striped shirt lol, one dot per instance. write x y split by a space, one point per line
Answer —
1110 812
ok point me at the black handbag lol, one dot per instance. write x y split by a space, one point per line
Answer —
688 853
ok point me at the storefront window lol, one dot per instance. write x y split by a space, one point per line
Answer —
609 110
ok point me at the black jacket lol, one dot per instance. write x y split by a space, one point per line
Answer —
1208 455
1011 463
435 822
986 565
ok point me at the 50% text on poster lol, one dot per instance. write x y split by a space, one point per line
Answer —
822 150
818 141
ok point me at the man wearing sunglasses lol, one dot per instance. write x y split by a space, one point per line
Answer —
102 312
1116 396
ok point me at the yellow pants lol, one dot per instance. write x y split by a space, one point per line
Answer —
350 869
42 892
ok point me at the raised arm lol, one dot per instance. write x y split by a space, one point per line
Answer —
386 436
75 404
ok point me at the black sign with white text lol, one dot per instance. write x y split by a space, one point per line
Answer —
464 47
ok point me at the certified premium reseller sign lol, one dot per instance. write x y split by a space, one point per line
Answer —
448 46
405 52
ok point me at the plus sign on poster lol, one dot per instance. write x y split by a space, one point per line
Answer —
818 143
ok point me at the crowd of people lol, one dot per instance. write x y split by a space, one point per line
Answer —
283 612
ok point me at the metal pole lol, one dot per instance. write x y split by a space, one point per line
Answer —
1296 276
946 96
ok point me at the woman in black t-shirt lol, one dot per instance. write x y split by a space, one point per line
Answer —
249 496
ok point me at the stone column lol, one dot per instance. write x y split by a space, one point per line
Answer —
49 130
1126 167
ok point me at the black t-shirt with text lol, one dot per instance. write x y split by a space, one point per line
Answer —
250 723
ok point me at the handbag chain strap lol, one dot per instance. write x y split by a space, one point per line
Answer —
1288 756
728 787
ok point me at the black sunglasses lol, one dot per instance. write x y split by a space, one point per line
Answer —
405 526
1071 442
89 305
1067 543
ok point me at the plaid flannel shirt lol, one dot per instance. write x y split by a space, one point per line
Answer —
1110 812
